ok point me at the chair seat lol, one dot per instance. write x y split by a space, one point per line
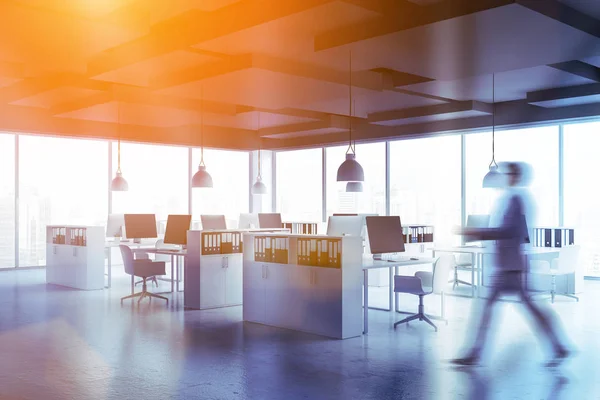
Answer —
426 290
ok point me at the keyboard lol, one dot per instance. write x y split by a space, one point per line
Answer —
398 259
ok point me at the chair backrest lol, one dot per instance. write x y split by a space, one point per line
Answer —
441 269
127 255
464 259
568 258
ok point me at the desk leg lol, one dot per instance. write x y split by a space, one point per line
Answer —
172 276
132 285
473 259
391 293
176 272
396 295
366 301
109 259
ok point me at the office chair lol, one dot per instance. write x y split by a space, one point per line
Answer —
463 263
565 264
143 268
424 283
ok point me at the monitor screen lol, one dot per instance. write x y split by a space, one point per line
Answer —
212 222
478 221
248 221
115 225
177 227
385 235
140 226
345 225
269 221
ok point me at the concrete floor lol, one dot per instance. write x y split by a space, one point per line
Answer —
58 343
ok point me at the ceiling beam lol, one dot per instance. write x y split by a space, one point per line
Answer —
194 26
370 80
565 96
563 13
397 22
417 112
294 128
579 68
385 7
38 121
205 71
143 96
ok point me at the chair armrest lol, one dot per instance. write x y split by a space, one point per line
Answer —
426 278
539 267
148 267
141 256
554 264
408 284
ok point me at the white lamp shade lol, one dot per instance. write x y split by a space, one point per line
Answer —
259 187
119 184
493 179
354 187
350 170
202 178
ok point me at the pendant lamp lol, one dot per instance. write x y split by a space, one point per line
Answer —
119 184
350 170
259 187
493 179
202 178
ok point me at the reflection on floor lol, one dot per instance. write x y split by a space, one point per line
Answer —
57 343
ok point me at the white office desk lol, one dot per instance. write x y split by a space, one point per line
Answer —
477 253
368 264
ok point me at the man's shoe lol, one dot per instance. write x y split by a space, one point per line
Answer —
560 356
466 361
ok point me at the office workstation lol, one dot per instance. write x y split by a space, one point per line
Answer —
242 199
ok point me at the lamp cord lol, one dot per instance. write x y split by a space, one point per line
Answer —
202 126
350 145
493 122
259 177
119 138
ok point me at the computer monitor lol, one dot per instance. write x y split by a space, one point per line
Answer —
140 226
213 222
248 221
269 220
385 234
478 221
344 215
115 225
177 227
345 226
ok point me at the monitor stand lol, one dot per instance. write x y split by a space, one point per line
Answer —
137 241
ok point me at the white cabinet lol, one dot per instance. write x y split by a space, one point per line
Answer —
254 291
212 282
79 265
233 279
321 300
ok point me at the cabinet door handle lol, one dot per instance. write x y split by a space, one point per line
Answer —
54 249
266 272
74 251
226 262
263 271
314 277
